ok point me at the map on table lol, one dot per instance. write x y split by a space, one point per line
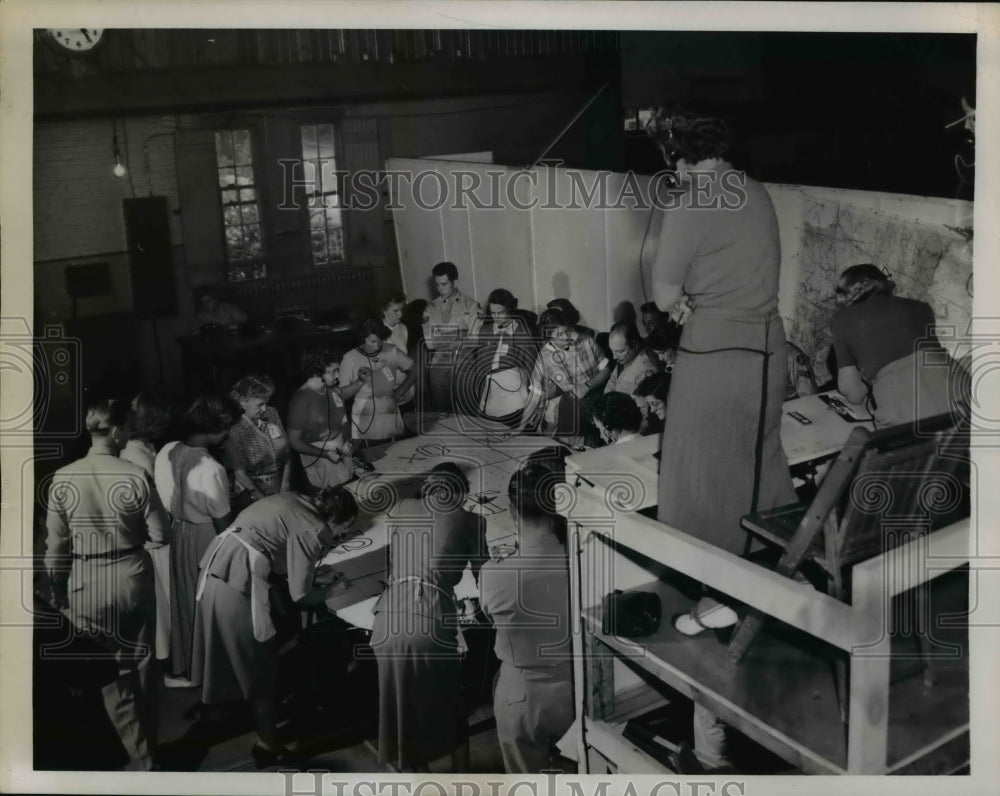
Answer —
489 454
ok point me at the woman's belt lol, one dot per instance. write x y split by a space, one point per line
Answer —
260 569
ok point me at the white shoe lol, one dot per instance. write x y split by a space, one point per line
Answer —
176 682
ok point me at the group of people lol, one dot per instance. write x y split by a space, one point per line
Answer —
168 543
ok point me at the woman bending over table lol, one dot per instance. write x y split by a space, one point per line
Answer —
876 336
278 538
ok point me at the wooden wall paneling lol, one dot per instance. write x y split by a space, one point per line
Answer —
569 250
365 229
288 248
501 239
418 233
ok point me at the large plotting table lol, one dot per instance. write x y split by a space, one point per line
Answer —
488 453
627 474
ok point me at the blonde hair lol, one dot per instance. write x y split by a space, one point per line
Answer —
105 415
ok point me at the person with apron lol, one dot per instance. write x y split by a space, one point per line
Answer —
194 488
527 597
99 518
369 377
278 539
256 451
432 539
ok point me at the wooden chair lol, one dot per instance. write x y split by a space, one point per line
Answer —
882 490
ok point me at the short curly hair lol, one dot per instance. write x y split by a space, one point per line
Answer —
150 416
683 133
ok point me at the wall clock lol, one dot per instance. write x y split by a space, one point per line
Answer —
73 41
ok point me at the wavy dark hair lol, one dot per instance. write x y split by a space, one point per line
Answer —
683 133
552 319
316 361
531 489
859 282
335 504
503 297
566 307
150 417
373 326
210 414
618 412
445 485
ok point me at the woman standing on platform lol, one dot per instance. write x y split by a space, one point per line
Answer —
502 361
369 375
235 641
148 422
195 490
415 637
875 336
716 269
318 429
256 450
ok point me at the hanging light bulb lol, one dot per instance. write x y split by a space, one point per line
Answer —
118 170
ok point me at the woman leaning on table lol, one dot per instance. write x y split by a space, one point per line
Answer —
422 715
278 538
716 268
876 336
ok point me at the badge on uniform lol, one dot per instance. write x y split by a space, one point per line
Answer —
273 431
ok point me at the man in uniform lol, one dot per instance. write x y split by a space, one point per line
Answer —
99 518
447 321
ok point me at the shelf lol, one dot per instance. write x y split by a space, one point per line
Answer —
782 695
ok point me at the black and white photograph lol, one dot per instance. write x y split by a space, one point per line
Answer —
577 396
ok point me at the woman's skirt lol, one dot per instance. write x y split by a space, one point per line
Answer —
421 712
376 419
189 543
228 663
322 472
161 578
910 388
710 434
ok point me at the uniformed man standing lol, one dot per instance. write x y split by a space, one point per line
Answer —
447 321
99 519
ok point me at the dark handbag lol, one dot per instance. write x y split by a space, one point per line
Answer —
631 614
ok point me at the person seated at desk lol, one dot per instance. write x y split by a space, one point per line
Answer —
569 367
211 311
256 450
617 417
651 398
876 336
502 360
318 427
370 375
422 715
527 597
662 334
633 363
236 640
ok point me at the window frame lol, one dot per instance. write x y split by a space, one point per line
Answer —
259 188
305 197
